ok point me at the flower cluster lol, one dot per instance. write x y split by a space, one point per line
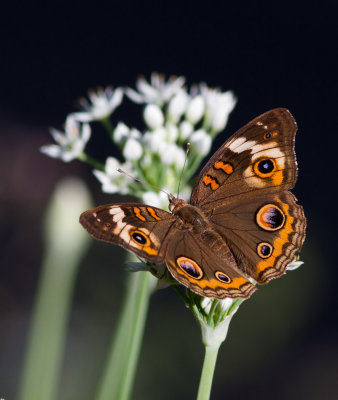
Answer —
173 116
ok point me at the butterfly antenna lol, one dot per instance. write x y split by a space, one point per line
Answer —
185 163
143 182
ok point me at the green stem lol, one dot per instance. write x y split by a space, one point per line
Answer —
108 126
120 370
91 161
66 243
207 374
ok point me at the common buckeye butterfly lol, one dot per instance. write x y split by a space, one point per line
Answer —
242 221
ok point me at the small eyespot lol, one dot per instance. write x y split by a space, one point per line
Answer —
267 135
221 276
264 249
190 267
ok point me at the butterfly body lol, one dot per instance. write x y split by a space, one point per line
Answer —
242 223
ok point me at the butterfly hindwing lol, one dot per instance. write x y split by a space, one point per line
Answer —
264 234
204 263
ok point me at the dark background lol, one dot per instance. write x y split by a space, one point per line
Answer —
283 342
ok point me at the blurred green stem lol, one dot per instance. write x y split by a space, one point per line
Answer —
65 245
91 161
118 377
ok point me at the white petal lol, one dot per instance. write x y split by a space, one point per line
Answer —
83 116
132 149
58 136
153 116
200 142
85 133
294 265
135 133
153 140
112 164
134 96
120 133
51 150
116 98
168 152
172 133
195 109
177 106
155 199
179 158
185 130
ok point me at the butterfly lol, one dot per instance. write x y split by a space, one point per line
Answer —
242 225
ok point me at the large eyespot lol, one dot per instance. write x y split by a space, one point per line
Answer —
140 238
265 167
190 267
264 249
221 276
270 217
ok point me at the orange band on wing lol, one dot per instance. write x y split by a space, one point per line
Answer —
138 214
208 180
152 212
226 167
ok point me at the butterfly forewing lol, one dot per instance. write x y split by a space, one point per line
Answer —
257 159
142 229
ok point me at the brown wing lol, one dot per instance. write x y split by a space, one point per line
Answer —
203 263
257 159
264 234
141 229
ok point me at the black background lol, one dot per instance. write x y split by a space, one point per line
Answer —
283 342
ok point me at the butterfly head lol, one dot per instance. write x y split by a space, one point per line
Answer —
175 204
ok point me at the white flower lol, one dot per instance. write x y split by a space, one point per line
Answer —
200 142
113 181
167 153
218 106
171 133
185 130
195 109
153 116
132 149
294 265
122 132
158 91
179 158
102 103
154 140
71 143
159 200
177 106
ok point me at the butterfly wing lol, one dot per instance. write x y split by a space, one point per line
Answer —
242 191
141 229
203 263
264 234
257 159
